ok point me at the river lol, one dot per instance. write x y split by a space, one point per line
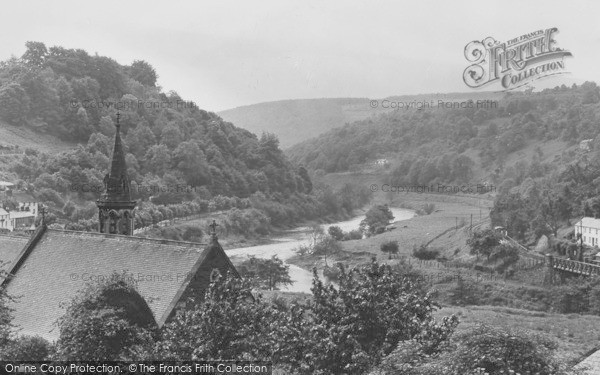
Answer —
287 244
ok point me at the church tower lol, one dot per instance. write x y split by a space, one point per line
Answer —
115 207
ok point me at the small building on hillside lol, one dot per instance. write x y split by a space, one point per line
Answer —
21 218
5 186
589 229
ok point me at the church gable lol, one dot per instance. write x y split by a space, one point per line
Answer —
213 262
61 262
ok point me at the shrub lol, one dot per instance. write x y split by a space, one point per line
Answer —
463 292
107 320
424 253
353 235
497 351
332 273
192 234
376 219
428 208
336 232
27 348
326 245
390 247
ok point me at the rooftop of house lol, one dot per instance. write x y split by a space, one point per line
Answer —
588 222
61 262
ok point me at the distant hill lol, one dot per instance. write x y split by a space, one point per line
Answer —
420 143
294 121
536 152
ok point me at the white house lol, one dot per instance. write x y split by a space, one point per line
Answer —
589 228
22 218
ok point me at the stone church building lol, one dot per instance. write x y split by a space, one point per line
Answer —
51 266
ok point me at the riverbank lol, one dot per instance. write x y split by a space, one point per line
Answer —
285 246
446 229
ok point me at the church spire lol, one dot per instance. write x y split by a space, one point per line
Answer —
115 206
117 184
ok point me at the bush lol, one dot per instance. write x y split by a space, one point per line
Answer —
376 219
423 253
497 351
428 208
464 292
353 235
326 245
336 232
107 320
332 273
192 234
27 348
390 247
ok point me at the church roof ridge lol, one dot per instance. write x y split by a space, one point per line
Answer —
128 238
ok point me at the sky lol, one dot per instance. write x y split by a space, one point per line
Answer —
225 54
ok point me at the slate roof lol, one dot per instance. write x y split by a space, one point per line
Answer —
589 222
10 247
591 364
58 263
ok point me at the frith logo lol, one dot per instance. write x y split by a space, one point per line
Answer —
516 62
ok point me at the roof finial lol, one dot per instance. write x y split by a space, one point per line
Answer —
43 211
118 124
213 229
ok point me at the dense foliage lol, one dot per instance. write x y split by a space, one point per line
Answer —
267 274
376 219
102 322
527 149
175 151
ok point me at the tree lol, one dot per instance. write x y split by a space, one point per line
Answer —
107 320
462 168
158 159
230 322
189 159
36 53
376 219
365 317
336 232
316 233
327 245
26 348
483 242
267 273
14 103
390 247
143 72
303 173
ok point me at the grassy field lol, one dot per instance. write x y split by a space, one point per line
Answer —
452 216
25 137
